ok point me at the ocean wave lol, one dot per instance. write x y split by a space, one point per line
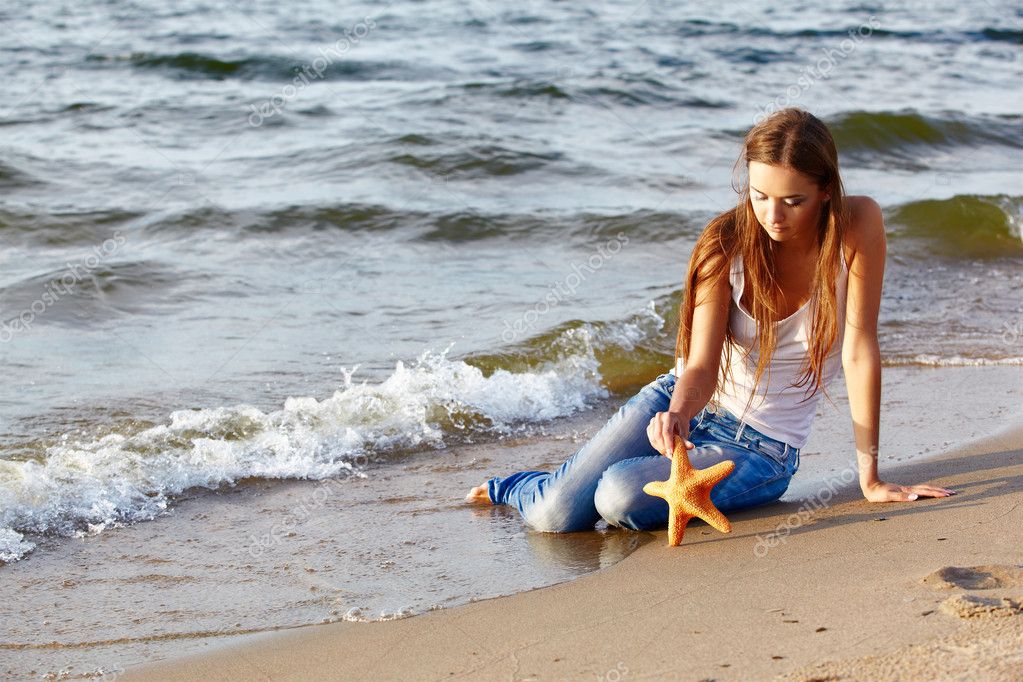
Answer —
89 228
92 227
630 90
452 226
630 351
15 178
964 226
1003 35
86 291
698 28
516 89
477 161
196 65
755 56
66 228
879 134
80 487
538 45
466 226
645 91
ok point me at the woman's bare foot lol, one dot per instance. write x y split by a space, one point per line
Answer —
479 495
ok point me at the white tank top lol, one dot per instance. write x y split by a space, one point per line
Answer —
782 413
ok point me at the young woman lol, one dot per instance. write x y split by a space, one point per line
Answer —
780 291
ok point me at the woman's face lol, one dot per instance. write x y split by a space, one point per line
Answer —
786 202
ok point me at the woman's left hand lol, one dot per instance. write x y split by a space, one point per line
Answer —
893 492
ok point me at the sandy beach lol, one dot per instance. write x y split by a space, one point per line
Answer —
821 586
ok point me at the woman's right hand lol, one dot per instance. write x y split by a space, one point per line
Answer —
661 429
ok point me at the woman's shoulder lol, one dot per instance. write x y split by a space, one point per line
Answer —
862 209
865 226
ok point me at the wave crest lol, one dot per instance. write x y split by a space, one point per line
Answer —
963 226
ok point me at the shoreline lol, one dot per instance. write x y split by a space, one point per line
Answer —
400 542
846 545
610 620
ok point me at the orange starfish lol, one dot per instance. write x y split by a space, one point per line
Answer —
687 492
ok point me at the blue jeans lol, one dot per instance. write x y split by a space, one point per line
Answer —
605 478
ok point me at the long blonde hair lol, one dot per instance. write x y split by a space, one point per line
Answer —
799 140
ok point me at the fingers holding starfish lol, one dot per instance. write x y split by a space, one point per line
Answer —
663 428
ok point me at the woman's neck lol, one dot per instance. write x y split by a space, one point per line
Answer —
799 249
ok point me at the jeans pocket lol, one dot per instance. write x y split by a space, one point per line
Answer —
775 451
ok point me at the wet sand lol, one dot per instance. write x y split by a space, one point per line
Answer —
820 583
275 555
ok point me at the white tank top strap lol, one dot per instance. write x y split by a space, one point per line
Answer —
735 273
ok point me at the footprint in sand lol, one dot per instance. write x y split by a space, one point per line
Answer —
969 606
976 577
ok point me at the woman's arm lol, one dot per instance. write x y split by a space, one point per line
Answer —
695 384
861 354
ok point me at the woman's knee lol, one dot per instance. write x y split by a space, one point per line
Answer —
557 514
611 499
619 498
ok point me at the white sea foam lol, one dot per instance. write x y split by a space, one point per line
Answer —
13 545
84 486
